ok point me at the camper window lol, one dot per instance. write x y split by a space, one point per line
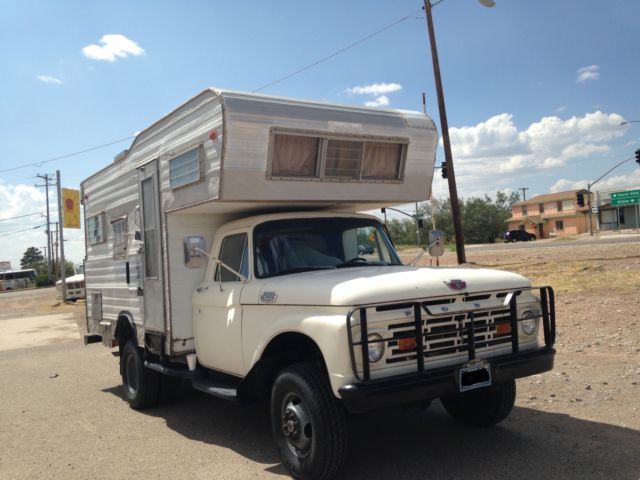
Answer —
295 156
344 159
382 160
95 229
326 157
119 227
185 168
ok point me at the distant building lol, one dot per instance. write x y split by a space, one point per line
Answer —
609 217
551 215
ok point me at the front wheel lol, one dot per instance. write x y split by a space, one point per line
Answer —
309 427
140 384
484 407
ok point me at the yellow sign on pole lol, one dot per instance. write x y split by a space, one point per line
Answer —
71 208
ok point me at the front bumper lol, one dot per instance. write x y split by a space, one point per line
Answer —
363 397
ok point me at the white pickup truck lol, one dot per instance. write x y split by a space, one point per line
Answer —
299 301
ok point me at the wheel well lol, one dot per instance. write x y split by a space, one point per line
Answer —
125 329
285 349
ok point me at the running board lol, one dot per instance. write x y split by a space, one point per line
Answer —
219 388
216 389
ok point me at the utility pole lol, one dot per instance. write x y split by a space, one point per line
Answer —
444 125
54 243
524 194
61 237
47 181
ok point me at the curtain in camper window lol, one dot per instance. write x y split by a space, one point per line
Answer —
294 156
381 160
343 159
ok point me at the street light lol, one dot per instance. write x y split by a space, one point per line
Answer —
627 122
444 126
589 185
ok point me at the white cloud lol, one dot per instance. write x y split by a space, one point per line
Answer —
49 79
19 200
494 154
113 46
375 89
619 181
592 72
381 101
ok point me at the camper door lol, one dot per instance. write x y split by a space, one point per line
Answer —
152 282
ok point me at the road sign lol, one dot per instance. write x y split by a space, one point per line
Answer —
594 209
629 197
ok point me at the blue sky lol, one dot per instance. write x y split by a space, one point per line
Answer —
535 91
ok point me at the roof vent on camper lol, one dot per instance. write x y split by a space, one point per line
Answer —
120 156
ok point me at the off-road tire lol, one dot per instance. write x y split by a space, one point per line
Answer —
484 407
302 398
139 384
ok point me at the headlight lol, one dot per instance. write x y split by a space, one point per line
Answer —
376 347
529 322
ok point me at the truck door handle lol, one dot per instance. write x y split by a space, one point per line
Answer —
202 289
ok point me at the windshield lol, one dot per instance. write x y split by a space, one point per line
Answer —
304 244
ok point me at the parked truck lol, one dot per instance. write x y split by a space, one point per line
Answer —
224 249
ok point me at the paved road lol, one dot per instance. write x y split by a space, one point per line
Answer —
559 243
63 417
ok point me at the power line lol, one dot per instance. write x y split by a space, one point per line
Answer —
20 231
20 216
337 52
281 79
62 157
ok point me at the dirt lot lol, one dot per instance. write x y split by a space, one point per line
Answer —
597 373
62 414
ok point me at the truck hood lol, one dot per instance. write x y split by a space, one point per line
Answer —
361 285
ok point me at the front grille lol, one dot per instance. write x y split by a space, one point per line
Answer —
417 332
447 334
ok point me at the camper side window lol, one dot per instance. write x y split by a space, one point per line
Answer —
119 227
185 168
233 253
95 229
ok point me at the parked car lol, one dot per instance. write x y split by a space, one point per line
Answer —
518 236
364 249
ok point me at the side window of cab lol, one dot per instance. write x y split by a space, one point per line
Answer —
233 253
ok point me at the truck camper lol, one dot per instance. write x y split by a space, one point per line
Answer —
224 248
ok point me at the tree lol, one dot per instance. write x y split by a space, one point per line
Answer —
32 258
483 219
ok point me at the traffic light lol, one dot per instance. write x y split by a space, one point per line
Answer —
638 156
580 198
443 169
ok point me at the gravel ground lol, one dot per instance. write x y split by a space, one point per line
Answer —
63 415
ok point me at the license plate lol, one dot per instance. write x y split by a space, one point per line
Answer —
475 374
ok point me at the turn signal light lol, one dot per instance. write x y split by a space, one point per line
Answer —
405 344
503 329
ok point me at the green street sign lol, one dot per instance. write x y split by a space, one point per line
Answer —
629 197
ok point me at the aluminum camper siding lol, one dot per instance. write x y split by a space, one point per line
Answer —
250 121
113 191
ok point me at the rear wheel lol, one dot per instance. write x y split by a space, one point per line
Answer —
309 427
482 408
140 384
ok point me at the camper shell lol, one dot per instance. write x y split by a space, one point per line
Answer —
211 161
